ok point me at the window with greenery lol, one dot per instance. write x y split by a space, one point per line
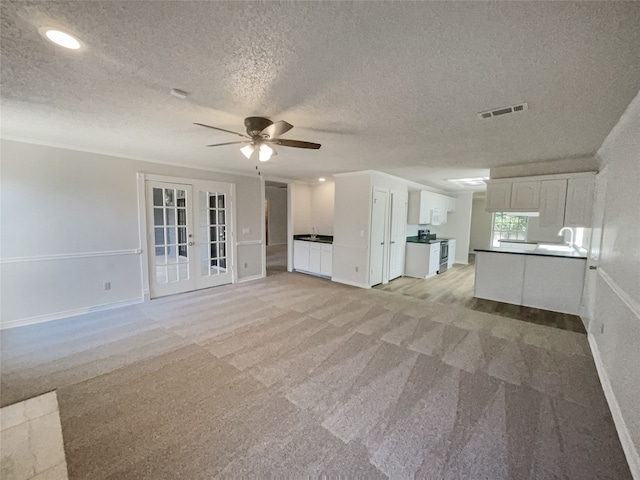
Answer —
508 227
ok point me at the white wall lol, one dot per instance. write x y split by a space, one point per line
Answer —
69 223
458 226
617 295
277 205
536 233
300 208
322 207
481 225
351 229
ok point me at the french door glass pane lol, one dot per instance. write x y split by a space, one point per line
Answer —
212 210
171 250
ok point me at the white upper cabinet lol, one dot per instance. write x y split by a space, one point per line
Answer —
525 196
553 194
428 208
564 200
579 202
498 196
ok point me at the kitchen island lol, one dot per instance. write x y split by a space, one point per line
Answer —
549 277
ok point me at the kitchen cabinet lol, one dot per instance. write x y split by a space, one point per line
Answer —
422 260
498 196
553 195
547 282
313 257
525 196
499 277
428 208
510 196
564 200
315 251
452 253
579 206
301 255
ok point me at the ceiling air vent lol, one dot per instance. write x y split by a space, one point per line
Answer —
503 111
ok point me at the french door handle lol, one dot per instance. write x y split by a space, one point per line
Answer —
191 244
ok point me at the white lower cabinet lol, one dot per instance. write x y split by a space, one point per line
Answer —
313 257
549 283
422 260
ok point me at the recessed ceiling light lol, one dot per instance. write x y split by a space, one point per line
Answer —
469 181
60 38
321 179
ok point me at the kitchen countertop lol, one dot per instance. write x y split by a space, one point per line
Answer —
414 239
542 253
318 238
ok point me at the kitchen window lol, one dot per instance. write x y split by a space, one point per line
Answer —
508 227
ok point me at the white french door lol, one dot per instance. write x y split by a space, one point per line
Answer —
189 234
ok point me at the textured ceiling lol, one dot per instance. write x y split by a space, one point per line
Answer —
386 86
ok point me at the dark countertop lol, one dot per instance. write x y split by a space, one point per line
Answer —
306 237
541 253
414 239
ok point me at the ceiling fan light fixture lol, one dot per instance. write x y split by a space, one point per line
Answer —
247 151
265 152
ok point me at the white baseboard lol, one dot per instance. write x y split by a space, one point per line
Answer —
250 279
630 451
349 282
68 313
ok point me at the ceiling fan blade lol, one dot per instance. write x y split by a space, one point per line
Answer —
276 129
296 143
222 130
228 143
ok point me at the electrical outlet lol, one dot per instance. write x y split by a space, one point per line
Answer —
107 285
246 231
601 328
246 264
356 269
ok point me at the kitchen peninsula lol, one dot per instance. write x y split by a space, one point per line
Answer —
549 277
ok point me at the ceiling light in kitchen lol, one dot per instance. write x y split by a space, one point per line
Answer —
471 182
321 179
60 38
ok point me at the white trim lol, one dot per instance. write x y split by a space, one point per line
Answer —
69 313
633 458
249 242
250 279
349 282
263 225
67 256
555 176
624 296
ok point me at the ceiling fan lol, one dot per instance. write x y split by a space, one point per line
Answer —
261 135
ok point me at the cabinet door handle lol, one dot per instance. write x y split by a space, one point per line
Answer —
381 243
392 241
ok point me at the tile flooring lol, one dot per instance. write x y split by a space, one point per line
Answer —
32 446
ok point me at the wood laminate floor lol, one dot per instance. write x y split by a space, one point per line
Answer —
455 287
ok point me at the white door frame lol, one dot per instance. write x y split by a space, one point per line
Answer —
595 247
142 178
385 236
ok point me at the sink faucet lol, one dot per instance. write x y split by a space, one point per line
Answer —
313 233
570 237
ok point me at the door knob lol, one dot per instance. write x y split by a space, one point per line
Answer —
191 244
592 267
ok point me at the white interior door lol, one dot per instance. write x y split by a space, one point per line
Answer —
397 232
589 292
377 258
170 238
189 236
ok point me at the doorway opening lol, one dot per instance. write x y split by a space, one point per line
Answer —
276 237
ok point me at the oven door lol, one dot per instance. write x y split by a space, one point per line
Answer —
444 252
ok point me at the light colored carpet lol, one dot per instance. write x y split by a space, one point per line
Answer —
295 376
